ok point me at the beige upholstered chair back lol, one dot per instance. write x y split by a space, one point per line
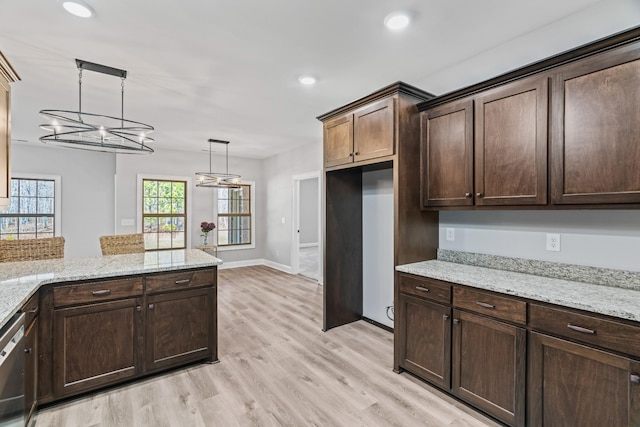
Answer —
122 244
31 249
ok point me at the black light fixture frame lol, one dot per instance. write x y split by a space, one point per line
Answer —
218 179
111 134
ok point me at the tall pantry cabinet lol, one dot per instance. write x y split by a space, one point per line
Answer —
379 131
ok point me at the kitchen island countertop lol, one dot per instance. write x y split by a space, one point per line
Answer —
20 280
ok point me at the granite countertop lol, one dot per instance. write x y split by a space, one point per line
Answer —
20 280
619 302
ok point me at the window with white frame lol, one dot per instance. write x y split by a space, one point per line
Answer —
164 213
235 216
34 208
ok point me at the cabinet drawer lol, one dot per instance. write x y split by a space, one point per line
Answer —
581 327
492 305
182 280
426 288
95 292
31 309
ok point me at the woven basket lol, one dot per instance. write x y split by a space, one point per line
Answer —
122 244
31 249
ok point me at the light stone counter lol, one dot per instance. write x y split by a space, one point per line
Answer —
20 280
613 301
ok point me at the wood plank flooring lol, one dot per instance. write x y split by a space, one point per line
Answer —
277 368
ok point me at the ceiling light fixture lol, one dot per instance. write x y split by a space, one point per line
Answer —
78 8
96 132
218 179
397 21
307 80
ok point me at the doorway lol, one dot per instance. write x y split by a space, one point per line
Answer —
306 251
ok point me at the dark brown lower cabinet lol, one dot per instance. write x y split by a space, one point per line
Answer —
179 327
489 366
96 345
427 348
572 385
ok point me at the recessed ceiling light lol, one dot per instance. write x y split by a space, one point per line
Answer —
397 21
78 8
307 80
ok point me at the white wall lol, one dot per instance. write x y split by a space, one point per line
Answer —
186 164
278 171
377 244
309 211
87 191
600 238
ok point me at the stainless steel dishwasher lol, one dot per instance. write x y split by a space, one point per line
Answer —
12 372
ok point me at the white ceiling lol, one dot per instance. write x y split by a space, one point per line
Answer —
228 69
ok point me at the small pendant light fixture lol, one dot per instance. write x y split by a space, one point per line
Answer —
218 179
96 132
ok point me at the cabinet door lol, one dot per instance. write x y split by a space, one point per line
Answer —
574 385
489 366
338 141
180 328
596 130
511 144
30 369
96 345
427 340
446 151
373 130
5 142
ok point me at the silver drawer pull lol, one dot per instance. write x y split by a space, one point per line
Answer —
634 378
422 288
183 281
485 305
33 310
151 306
100 293
580 329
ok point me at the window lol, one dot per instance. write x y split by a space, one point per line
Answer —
164 214
32 209
235 221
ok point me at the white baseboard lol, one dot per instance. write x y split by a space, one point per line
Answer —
252 262
308 245
244 263
277 266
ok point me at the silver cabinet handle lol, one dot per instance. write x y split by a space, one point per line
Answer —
422 288
151 306
478 194
101 292
138 308
27 351
580 329
485 305
467 195
33 310
183 281
445 317
456 321
634 378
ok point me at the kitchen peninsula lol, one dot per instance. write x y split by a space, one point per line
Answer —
93 322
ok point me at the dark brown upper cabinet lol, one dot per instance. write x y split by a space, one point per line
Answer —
596 129
511 144
367 133
499 138
447 155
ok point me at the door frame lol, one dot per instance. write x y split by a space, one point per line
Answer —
295 223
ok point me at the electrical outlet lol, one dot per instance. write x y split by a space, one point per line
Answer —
450 234
553 242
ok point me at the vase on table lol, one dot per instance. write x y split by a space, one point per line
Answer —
205 239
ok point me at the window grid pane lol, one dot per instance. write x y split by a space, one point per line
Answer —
234 216
31 211
164 215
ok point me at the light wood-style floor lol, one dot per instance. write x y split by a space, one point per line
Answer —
277 368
